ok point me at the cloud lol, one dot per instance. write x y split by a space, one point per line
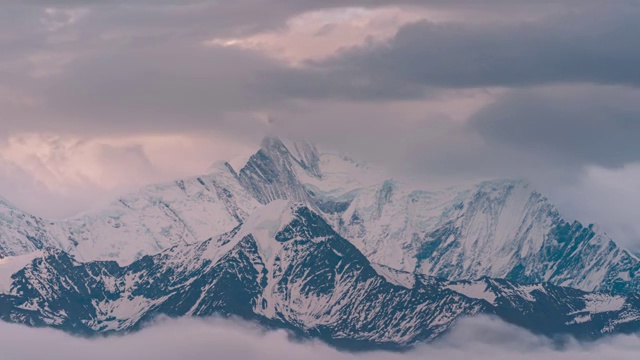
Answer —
607 197
318 34
572 126
478 338
138 67
122 70
145 67
543 89
589 46
552 132
577 144
58 176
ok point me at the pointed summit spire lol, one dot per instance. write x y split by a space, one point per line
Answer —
301 151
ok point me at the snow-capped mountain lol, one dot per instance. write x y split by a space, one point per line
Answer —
362 257
286 267
500 229
145 222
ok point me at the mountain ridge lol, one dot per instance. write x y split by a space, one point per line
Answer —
286 267
324 246
500 229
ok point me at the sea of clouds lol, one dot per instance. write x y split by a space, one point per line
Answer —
199 339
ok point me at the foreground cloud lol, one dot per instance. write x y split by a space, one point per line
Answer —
477 338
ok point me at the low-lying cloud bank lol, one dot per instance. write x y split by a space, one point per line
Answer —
478 338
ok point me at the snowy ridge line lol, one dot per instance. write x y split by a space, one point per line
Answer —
499 229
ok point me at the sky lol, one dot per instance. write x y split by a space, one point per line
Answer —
478 338
98 97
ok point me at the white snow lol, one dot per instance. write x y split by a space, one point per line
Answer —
475 290
526 290
341 176
599 303
624 276
123 312
264 224
395 277
239 161
392 224
580 319
11 265
158 217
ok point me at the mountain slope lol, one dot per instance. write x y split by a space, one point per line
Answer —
286 267
146 222
499 229
22 233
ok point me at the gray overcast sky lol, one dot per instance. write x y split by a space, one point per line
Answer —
98 97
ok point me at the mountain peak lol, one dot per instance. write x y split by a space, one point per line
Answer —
502 183
302 152
289 234
497 228
272 142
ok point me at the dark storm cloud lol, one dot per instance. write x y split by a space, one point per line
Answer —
528 133
570 126
142 67
597 45
132 66
189 88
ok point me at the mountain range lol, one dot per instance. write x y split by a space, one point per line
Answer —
322 245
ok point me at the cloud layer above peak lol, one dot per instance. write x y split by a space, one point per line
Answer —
541 89
96 67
